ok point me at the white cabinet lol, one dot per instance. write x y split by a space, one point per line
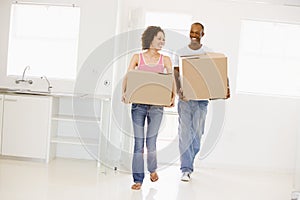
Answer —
80 126
297 167
45 127
26 126
1 114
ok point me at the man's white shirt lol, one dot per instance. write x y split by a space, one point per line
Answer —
186 51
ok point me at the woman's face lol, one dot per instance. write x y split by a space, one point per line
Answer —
158 41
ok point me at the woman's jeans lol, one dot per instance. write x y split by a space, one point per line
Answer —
153 114
192 115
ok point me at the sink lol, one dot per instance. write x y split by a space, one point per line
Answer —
33 92
23 91
7 90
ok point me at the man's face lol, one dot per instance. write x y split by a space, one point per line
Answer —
196 33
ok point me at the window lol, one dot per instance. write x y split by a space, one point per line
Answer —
269 61
173 21
44 37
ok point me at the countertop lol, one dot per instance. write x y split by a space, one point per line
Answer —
53 94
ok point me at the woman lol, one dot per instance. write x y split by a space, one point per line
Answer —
153 39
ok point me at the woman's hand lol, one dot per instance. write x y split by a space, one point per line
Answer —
123 99
172 101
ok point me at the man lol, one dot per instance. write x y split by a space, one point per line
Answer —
192 113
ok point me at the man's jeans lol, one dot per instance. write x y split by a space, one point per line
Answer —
153 114
192 115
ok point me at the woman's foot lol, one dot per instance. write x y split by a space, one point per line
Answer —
136 186
153 176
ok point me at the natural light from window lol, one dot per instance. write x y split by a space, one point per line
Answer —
44 37
269 61
173 21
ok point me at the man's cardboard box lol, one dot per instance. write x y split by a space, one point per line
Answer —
204 76
149 88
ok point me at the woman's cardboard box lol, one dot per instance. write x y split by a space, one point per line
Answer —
149 88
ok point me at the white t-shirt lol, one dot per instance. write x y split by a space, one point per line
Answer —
186 51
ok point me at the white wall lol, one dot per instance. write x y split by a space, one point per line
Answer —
259 131
97 24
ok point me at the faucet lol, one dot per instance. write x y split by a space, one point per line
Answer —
49 85
23 77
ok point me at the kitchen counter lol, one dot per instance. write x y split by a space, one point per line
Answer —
54 94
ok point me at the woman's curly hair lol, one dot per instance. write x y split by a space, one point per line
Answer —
148 36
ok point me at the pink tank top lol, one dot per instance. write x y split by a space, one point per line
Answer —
159 67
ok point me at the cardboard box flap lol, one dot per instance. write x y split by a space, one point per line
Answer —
204 55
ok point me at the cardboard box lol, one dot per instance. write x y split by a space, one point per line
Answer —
204 76
149 88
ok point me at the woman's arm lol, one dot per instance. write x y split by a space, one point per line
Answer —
133 63
168 66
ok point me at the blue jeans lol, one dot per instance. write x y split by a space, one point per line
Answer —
192 115
153 114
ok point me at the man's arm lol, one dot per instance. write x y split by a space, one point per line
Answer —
178 84
177 79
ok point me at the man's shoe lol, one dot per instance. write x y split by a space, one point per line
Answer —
186 176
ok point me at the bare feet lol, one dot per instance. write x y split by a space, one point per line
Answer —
136 186
153 176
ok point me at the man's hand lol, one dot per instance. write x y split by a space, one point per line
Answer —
228 93
180 93
228 89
